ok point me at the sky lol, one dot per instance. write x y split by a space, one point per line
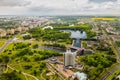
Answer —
59 7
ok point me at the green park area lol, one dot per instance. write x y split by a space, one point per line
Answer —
24 61
55 35
49 35
95 64
82 27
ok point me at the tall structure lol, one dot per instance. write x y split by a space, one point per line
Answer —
69 58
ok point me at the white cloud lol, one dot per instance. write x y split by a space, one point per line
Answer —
44 7
14 3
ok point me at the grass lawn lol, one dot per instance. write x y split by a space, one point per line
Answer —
10 46
1 44
18 74
19 37
35 66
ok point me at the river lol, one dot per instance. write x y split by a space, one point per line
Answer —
77 35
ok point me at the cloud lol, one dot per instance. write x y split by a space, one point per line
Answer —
101 1
52 7
12 3
74 6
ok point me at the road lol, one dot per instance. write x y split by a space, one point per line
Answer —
118 53
113 43
6 44
111 71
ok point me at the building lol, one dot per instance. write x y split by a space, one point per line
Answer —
69 58
10 31
2 33
84 52
48 27
19 29
53 60
79 76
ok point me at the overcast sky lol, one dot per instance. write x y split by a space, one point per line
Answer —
59 7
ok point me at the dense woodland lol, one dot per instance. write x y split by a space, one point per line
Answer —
95 64
49 35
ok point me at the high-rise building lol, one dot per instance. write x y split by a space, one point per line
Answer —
69 58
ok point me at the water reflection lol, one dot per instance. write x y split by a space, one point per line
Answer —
77 43
77 35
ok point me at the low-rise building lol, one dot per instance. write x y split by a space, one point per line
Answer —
10 31
19 29
79 76
3 33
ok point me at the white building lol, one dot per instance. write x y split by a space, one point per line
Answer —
80 76
48 27
69 58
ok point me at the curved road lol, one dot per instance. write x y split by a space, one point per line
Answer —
23 73
6 44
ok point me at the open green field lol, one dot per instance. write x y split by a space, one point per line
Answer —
29 62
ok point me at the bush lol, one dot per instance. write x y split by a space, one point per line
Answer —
27 37
27 67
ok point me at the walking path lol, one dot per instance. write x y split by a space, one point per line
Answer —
25 74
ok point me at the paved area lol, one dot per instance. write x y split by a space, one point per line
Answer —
65 72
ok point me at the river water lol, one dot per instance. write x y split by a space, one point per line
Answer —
77 35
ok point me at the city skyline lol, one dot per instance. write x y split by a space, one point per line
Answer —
59 7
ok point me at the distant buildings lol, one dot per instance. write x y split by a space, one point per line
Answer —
115 37
69 58
21 24
71 25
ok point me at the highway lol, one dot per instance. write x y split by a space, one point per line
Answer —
108 73
113 43
6 44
